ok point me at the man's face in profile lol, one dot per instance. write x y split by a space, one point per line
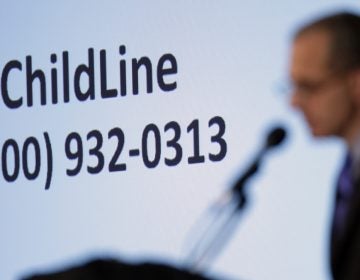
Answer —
320 92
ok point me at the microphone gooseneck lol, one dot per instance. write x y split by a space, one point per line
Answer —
274 138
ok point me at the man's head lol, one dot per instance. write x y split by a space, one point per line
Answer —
325 72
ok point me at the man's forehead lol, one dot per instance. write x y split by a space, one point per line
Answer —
311 52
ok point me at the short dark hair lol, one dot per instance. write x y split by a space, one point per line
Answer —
344 31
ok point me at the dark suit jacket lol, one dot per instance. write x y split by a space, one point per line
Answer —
345 252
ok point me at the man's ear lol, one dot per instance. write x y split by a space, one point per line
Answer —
355 85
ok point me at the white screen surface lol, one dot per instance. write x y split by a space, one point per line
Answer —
226 60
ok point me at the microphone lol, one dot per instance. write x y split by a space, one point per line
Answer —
274 138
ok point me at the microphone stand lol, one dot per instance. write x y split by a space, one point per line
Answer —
220 222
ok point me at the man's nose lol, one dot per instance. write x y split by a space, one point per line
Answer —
295 100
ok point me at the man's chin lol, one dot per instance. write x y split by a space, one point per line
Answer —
319 133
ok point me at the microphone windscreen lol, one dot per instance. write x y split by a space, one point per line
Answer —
275 137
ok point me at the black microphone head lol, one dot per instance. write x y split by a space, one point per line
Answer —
275 137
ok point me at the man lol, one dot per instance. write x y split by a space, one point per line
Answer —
325 73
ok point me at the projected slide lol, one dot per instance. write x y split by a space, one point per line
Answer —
122 121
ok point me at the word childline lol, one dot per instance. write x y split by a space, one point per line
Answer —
84 78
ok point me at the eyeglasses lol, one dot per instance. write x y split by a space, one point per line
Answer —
310 87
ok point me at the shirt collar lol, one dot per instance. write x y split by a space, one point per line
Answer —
355 155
